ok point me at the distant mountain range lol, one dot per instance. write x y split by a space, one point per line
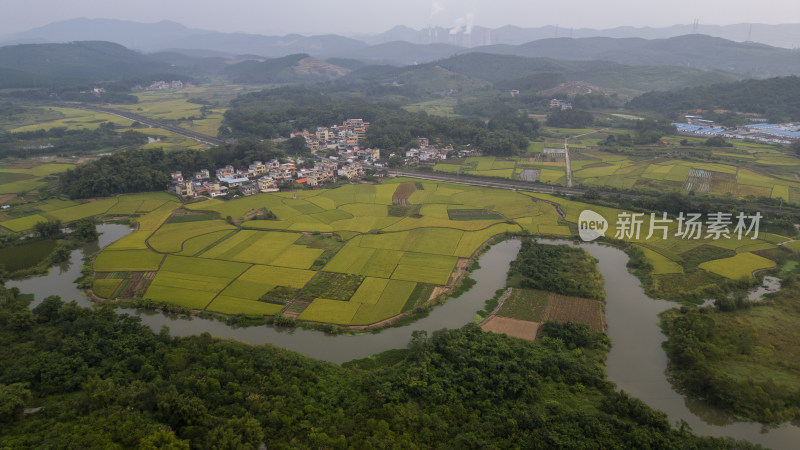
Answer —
152 37
402 46
786 36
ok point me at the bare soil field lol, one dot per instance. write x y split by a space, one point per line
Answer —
521 329
402 193
561 308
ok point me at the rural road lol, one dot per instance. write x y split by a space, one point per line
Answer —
483 182
202 138
566 153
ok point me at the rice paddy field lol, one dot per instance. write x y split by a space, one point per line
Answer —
80 119
349 256
25 177
746 169
69 211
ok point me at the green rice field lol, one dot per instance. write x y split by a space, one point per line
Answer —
367 263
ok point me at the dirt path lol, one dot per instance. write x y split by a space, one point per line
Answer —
500 302
566 154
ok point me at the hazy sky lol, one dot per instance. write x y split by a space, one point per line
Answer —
369 16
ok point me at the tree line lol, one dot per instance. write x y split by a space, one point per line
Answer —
561 269
105 380
392 129
775 98
60 140
145 170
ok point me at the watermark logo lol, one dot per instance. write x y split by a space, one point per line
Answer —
632 226
591 225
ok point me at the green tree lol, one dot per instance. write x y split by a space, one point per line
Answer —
13 398
49 229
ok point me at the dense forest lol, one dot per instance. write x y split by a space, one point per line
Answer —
570 118
93 378
392 129
148 169
561 269
776 98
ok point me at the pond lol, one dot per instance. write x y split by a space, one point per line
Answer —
636 362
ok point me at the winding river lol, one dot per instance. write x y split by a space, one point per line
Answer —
636 362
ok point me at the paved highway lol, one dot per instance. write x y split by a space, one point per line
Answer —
202 138
483 182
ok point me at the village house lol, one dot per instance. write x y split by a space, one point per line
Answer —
234 181
183 188
373 154
258 168
216 189
203 174
556 103
225 172
353 170
176 177
249 188
267 184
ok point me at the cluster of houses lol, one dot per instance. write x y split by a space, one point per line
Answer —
260 177
562 104
165 86
430 154
343 138
426 152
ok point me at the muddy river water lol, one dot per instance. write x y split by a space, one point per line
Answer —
636 362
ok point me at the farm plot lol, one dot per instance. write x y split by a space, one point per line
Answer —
424 268
780 191
125 207
106 287
438 241
192 282
525 304
370 291
234 305
521 329
23 223
402 193
130 284
127 260
472 240
277 276
350 258
529 175
198 244
170 238
708 181
92 208
448 167
333 286
473 214
661 264
330 311
561 308
258 247
389 304
26 255
739 266
147 224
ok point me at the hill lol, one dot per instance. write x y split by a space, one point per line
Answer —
85 61
401 53
694 51
155 37
288 69
777 98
